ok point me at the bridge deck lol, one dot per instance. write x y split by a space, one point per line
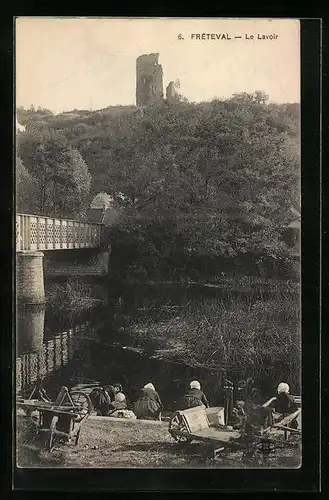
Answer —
45 233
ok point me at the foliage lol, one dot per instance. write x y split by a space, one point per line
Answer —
71 299
246 390
214 179
61 174
26 188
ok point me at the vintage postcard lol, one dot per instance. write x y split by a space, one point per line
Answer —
158 218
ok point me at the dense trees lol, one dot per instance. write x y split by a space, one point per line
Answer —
25 189
208 180
60 175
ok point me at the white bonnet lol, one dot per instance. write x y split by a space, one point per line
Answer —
283 387
195 385
119 397
149 386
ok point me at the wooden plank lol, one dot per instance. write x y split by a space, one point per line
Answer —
289 418
220 439
290 429
46 406
56 412
212 433
286 420
57 433
195 419
62 393
215 415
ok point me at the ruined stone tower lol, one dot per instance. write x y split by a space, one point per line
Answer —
172 95
149 80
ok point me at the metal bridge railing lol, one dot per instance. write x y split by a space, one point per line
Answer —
34 233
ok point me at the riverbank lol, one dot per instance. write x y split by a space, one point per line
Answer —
233 322
109 443
227 282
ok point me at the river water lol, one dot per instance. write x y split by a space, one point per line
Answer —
93 348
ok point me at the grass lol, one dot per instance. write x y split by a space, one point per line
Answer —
113 444
252 332
74 297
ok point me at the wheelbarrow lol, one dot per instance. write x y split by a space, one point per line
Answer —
203 424
60 419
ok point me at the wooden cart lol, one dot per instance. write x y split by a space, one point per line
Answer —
282 421
207 425
60 419
203 424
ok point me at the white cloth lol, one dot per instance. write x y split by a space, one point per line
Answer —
123 414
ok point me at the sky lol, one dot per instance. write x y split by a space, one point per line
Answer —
90 63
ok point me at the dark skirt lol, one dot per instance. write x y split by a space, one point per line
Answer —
188 402
102 409
147 408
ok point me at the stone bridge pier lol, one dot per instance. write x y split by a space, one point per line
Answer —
29 277
55 247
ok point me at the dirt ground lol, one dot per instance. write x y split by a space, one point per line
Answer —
131 444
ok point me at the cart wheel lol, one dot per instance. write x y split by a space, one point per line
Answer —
184 439
52 430
176 423
82 401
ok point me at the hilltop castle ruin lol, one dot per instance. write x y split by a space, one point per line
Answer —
149 82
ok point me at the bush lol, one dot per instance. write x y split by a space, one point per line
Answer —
72 298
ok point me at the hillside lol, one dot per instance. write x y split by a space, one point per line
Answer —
99 135
214 178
